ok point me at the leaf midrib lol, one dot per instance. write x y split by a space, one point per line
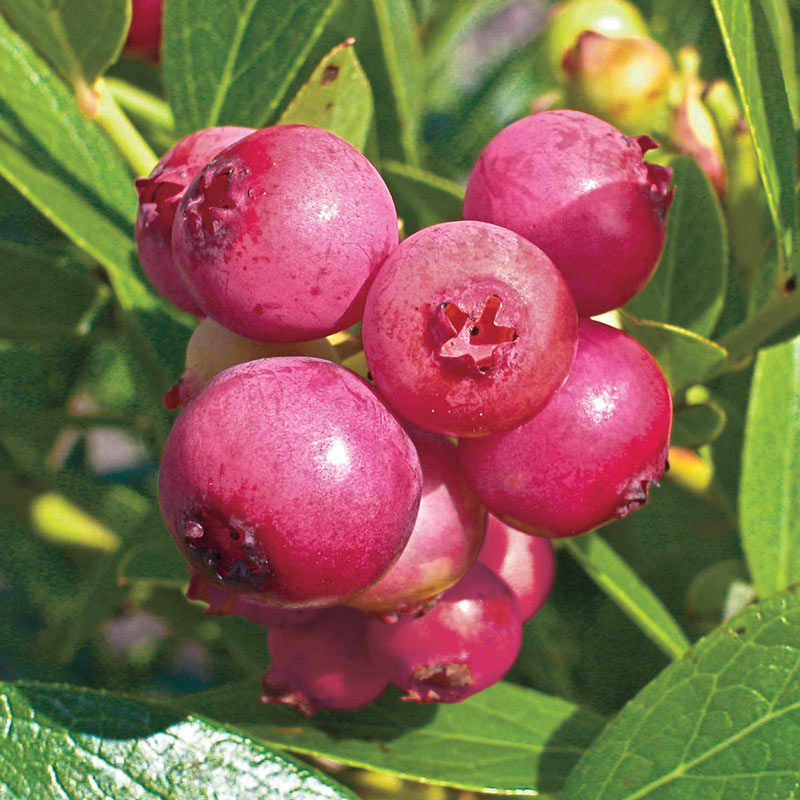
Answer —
227 71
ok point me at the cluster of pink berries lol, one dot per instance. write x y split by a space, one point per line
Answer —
342 515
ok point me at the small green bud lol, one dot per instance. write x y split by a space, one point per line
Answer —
570 19
624 80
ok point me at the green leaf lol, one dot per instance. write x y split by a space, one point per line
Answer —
780 24
769 501
336 97
610 572
78 743
685 357
231 63
754 61
678 533
447 47
504 96
422 198
50 577
697 424
80 38
38 377
676 23
721 722
393 58
41 299
63 165
156 561
709 592
505 738
688 287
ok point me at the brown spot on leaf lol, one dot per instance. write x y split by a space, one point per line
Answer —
330 74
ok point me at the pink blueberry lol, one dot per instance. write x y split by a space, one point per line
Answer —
464 644
591 454
159 195
468 329
578 188
444 543
279 237
288 478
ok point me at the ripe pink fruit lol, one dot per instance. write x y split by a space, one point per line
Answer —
465 643
526 563
226 604
159 195
288 478
468 329
144 34
579 189
444 543
322 664
591 454
279 237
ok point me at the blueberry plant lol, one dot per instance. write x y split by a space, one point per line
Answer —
319 474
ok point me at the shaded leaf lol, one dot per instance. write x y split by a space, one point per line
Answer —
81 38
710 590
676 23
336 97
610 572
42 300
697 424
156 561
62 164
422 198
685 357
688 287
769 500
77 743
391 54
755 64
505 738
780 24
721 722
457 135
231 63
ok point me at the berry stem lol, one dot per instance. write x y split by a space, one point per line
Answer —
121 131
142 104
743 340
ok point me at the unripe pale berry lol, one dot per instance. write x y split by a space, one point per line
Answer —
570 19
465 643
288 478
279 237
591 454
212 348
525 562
444 543
623 80
159 195
468 329
322 664
580 190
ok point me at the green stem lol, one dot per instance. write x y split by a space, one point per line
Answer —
743 340
142 104
124 135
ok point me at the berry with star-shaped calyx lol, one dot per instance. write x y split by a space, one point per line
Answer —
468 329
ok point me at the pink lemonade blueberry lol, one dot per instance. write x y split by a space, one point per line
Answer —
288 478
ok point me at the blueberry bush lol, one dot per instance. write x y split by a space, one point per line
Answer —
578 579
